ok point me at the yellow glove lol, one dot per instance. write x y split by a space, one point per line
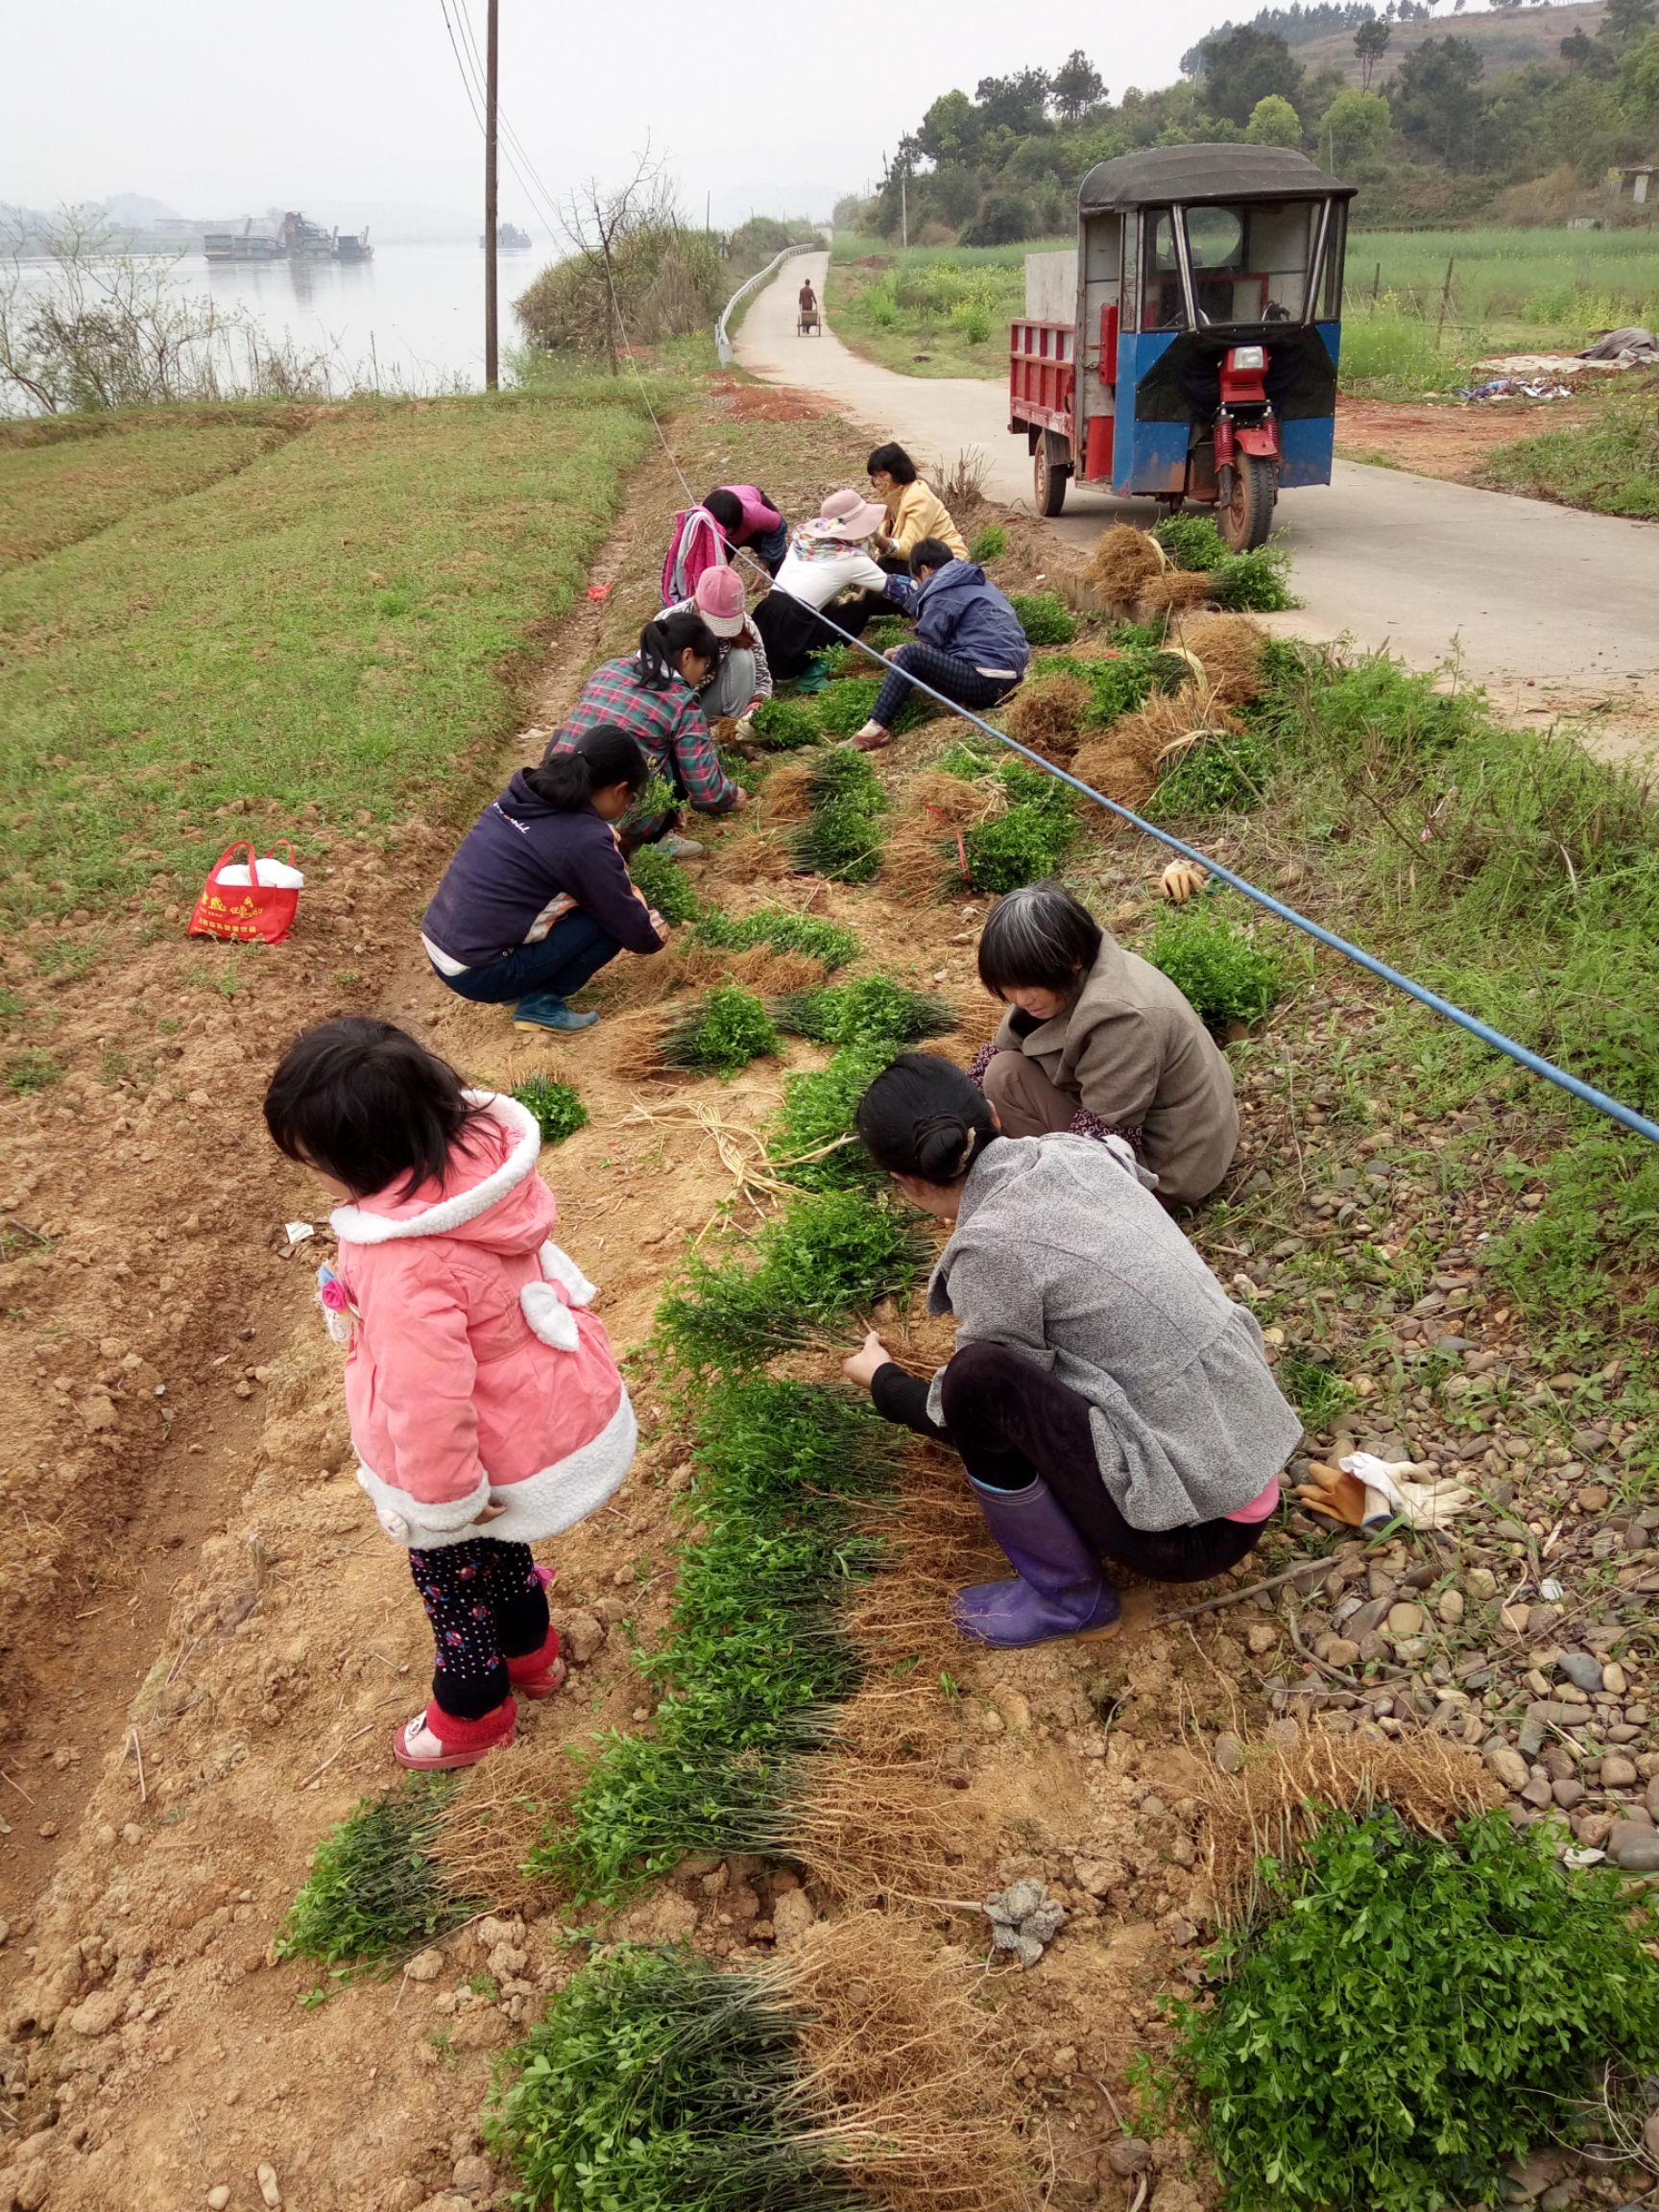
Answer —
1181 879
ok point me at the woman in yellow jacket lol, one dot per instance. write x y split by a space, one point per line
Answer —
914 509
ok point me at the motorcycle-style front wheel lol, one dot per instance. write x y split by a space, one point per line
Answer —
1246 515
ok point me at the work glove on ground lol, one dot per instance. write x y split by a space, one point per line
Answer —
1363 1491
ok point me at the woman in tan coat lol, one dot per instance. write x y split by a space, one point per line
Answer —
1098 1042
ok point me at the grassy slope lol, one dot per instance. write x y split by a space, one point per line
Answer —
1610 465
913 311
326 629
1507 38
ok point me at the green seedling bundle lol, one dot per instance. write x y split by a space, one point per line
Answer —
558 1109
873 1009
842 835
1045 617
779 930
664 884
720 1034
374 1892
1226 975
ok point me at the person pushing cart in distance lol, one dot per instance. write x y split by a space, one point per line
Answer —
806 306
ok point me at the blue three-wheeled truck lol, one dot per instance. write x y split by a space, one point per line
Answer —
1188 349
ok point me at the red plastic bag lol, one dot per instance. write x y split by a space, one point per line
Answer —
246 913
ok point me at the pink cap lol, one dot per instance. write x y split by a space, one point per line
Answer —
720 601
848 515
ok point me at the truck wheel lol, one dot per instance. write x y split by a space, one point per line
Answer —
1245 520
1051 467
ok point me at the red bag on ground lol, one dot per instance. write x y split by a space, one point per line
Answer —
248 913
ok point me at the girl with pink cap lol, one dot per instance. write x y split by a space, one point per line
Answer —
741 678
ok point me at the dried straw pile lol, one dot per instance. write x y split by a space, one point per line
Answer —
1173 590
499 1814
783 796
921 859
1048 714
902 2076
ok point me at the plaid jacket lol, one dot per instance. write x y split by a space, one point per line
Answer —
669 726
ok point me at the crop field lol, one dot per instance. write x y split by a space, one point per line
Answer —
745 1915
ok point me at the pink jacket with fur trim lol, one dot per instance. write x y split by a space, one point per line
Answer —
474 1375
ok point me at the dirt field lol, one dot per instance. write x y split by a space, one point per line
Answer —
1445 441
224 1641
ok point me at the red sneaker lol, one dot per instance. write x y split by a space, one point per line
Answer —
435 1739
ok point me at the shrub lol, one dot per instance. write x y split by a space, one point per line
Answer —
1219 771
558 1109
658 2082
664 884
779 930
1227 977
1415 2014
785 725
874 1009
725 1032
1045 617
1192 541
1253 583
989 544
373 1890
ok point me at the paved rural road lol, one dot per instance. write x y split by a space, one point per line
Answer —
1551 609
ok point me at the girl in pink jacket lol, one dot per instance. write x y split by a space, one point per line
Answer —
482 1393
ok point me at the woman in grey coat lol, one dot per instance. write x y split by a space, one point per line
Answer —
1107 1397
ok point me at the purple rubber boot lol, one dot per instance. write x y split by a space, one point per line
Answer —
1059 1589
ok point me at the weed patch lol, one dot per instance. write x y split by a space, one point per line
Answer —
1226 974
32 1069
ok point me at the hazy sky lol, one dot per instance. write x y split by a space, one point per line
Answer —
217 106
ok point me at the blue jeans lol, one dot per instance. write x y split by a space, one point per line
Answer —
573 952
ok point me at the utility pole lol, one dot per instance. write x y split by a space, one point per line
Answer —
492 60
903 207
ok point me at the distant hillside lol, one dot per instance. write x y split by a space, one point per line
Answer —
1507 39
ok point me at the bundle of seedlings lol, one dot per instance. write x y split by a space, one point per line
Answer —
1403 2017
1048 713
717 1036
375 1892
785 798
781 1476
1045 617
927 854
812 1142
1124 563
779 930
785 725
842 835
1229 978
1234 580
663 883
845 708
827 1255
1192 541
1030 838
1213 767
752 857
558 1108
1232 652
874 1010
1126 762
1173 592
1119 681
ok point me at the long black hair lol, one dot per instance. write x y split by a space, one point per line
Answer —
924 1117
663 641
364 1102
893 461
574 768
726 507
1037 938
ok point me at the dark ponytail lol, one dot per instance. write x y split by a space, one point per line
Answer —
924 1117
574 768
663 641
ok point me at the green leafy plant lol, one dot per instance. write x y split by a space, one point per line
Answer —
828 1254
1253 582
659 2083
1118 682
754 1650
886 632
374 1890
1229 769
875 1008
722 1033
1226 974
1407 2015
989 544
845 708
811 1141
1191 541
969 757
782 930
1045 617
785 725
558 1108
1029 841
843 836
1317 1391
664 884
32 1069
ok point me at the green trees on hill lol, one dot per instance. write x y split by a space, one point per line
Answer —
1425 133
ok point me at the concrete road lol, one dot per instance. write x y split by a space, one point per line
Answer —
1553 610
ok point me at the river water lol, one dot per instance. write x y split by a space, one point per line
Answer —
412 318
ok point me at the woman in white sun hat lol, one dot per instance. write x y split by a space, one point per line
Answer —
829 555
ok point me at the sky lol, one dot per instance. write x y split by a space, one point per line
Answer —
219 110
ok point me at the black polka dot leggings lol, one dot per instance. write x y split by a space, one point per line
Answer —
486 1605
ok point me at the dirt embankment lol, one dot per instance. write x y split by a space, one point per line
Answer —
1432 440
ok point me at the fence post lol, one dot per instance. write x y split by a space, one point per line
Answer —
1445 302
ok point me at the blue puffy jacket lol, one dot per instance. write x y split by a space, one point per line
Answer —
959 611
